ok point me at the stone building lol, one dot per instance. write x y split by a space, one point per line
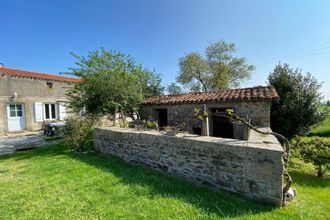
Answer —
252 104
30 99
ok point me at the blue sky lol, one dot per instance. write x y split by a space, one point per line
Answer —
39 35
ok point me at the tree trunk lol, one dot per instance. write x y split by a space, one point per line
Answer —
319 171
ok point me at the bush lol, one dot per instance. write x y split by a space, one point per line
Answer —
78 132
315 151
299 107
141 124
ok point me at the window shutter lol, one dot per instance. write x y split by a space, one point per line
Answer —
61 111
38 112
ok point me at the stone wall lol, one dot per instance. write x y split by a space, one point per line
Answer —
258 112
251 168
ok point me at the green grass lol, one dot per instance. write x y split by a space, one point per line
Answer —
54 183
323 129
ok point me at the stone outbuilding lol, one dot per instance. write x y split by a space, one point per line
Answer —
253 104
30 99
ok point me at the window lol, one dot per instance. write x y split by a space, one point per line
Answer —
50 111
15 110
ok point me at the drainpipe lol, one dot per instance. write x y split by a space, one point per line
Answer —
205 129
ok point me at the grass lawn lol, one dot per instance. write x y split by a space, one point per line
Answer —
323 129
55 183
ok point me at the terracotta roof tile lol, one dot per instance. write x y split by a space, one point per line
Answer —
36 75
258 93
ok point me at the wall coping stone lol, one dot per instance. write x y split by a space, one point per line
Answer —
255 140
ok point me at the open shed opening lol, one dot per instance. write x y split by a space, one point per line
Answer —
221 126
162 118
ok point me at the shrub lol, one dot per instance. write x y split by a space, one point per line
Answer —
78 131
299 107
140 124
315 151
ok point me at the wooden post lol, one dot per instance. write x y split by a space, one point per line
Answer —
114 117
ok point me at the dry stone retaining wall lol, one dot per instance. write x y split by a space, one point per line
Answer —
251 168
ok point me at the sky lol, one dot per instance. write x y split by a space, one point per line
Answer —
40 35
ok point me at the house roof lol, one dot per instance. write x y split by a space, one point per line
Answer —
36 75
258 93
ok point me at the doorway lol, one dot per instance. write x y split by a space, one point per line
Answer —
16 117
162 118
222 127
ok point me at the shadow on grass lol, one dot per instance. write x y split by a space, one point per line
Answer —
307 178
217 202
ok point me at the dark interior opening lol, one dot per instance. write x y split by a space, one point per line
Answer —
197 131
162 118
222 127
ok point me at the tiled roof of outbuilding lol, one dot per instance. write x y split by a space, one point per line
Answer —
258 93
36 75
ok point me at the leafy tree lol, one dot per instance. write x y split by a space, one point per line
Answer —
219 69
194 72
315 151
174 89
328 103
111 82
300 101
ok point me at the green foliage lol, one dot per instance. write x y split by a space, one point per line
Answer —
219 69
174 89
227 70
111 81
142 124
300 101
150 124
328 103
193 72
315 151
123 123
322 129
78 131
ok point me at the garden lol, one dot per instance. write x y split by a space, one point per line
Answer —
71 181
55 182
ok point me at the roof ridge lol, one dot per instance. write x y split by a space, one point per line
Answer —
34 74
254 93
49 74
215 91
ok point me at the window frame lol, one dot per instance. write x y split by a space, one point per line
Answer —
50 111
16 110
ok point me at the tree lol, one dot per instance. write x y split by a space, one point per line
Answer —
194 72
328 103
174 89
219 69
315 151
300 101
111 82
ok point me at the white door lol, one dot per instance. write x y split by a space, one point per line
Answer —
15 115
